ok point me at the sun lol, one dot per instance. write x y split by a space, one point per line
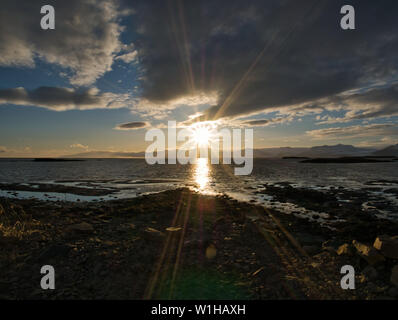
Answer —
202 133
201 136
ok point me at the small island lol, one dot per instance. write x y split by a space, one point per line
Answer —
54 160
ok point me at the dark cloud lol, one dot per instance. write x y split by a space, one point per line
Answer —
259 55
61 99
132 125
85 40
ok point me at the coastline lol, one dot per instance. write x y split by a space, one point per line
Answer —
183 245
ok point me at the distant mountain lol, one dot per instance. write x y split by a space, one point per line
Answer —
339 150
278 152
391 151
106 154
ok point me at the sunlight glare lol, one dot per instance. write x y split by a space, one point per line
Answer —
202 173
203 132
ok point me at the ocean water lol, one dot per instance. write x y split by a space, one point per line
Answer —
134 177
264 170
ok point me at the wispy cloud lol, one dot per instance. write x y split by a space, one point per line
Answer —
370 104
358 131
79 146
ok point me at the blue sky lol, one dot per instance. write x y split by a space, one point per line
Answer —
244 64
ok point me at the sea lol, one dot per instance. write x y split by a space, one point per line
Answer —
129 178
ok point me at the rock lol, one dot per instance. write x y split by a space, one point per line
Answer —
368 253
387 246
311 250
362 278
345 249
81 227
172 229
370 273
394 276
211 251
152 233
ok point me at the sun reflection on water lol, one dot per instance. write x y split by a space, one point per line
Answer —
201 174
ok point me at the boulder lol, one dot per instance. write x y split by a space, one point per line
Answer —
394 276
387 246
345 249
368 253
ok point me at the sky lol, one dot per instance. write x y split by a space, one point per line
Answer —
113 69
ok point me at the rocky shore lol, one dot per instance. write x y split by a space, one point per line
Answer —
185 245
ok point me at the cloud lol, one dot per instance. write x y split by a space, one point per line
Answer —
256 123
85 40
358 131
160 110
79 145
370 104
262 122
61 99
132 125
262 55
128 57
16 150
